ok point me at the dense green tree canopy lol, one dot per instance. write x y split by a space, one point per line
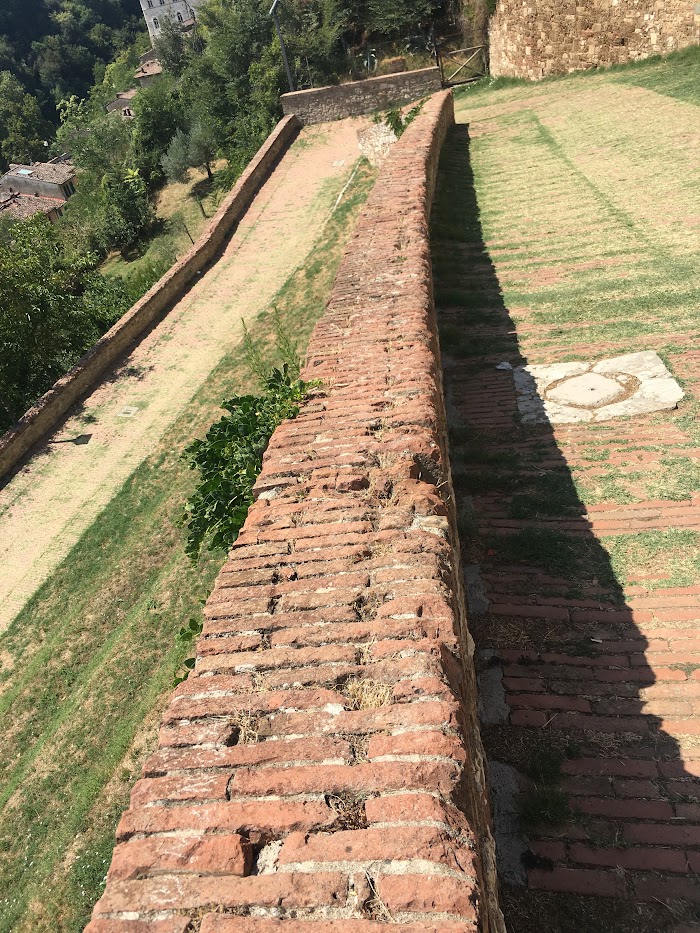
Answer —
56 48
52 308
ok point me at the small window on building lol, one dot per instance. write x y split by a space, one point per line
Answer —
156 24
150 4
179 18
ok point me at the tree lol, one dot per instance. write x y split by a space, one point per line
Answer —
158 114
23 130
171 48
190 150
52 308
123 213
176 160
99 142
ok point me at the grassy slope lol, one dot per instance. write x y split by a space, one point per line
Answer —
177 208
87 666
591 217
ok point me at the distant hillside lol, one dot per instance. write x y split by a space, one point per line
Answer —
51 49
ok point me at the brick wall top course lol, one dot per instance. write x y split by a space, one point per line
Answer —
321 769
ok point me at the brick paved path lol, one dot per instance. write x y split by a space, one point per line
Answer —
599 668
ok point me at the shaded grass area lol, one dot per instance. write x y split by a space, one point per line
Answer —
567 250
89 662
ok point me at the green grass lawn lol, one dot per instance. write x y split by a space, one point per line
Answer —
587 208
87 666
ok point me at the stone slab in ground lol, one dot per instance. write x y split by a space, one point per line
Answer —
564 393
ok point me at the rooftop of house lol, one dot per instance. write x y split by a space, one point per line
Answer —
24 206
56 171
148 69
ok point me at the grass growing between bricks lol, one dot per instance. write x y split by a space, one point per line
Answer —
87 666
557 236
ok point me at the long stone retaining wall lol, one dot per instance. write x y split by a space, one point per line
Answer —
322 104
535 38
48 412
322 769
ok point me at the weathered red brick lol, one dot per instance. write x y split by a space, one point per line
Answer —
186 892
428 894
218 854
217 923
630 858
172 925
652 887
397 843
179 759
624 809
675 834
380 775
195 786
250 817
577 881
435 744
548 701
614 767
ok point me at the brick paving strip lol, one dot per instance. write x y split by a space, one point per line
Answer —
614 673
321 769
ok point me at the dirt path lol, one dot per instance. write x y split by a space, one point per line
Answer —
46 507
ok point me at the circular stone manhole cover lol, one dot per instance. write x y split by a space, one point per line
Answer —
588 391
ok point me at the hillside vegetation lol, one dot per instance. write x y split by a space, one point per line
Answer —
217 99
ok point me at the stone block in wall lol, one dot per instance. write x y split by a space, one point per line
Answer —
595 26
323 104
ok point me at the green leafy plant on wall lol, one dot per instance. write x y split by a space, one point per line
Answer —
229 459
397 120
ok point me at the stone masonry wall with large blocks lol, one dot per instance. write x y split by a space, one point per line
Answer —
534 38
321 104
321 769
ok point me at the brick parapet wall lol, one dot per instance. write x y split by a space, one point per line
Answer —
320 105
321 769
535 38
52 407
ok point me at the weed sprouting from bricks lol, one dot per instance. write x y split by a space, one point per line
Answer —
229 459
399 121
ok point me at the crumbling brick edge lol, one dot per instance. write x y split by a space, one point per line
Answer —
322 768
52 407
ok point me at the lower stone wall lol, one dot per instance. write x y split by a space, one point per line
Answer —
320 105
534 38
52 407
321 769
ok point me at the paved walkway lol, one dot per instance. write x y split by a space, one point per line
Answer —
48 505
584 589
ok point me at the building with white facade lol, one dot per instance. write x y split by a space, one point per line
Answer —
178 11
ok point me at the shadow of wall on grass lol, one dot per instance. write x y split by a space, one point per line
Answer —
562 660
